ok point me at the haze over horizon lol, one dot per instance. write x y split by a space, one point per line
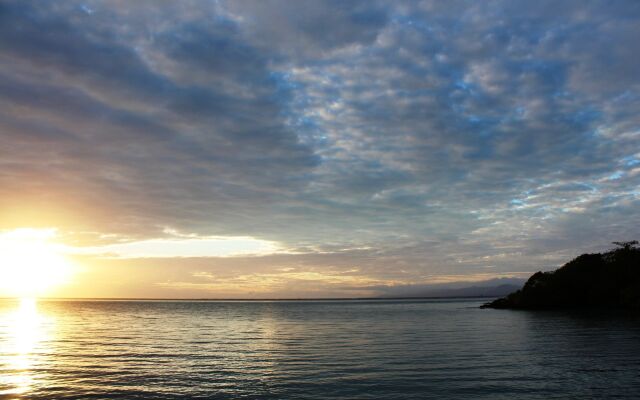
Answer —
240 149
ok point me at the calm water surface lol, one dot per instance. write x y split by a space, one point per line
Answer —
313 350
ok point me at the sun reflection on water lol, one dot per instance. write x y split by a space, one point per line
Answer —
24 333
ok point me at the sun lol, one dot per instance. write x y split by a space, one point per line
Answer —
31 263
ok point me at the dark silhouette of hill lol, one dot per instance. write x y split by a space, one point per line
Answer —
610 279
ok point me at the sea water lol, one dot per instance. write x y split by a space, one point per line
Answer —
387 349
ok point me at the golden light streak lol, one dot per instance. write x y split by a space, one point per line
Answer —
24 331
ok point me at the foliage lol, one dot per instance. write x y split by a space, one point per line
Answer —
610 279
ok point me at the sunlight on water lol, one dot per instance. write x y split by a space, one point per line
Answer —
315 350
24 330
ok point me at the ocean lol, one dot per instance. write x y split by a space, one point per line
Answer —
379 349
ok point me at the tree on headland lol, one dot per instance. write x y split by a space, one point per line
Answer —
627 245
610 279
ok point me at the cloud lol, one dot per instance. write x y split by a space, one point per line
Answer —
447 136
192 246
308 28
131 137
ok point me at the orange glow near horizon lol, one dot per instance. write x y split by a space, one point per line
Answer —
31 263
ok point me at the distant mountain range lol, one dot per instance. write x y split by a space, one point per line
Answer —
474 291
489 288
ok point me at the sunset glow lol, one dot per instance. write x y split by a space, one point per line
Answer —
319 199
31 263
232 149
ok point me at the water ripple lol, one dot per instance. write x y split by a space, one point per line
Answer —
313 350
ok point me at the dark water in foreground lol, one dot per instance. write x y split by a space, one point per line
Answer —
313 350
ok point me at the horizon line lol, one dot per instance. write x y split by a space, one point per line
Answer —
213 299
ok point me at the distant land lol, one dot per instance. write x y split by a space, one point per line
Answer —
489 288
610 279
474 291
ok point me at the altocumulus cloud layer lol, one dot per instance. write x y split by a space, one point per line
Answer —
376 143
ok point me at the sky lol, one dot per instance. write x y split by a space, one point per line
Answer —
257 149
